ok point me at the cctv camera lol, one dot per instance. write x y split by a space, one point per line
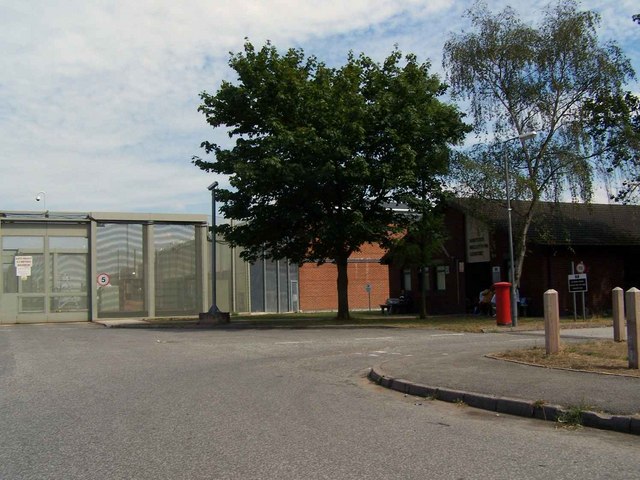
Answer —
37 198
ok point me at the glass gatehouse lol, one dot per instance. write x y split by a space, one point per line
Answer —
61 267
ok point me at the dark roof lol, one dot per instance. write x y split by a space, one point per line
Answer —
557 223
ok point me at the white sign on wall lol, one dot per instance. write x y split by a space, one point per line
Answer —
23 264
23 261
23 272
477 235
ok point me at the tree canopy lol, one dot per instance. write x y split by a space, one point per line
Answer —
320 153
555 78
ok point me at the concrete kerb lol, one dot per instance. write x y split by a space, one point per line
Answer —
509 406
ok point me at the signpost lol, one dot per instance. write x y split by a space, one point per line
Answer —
578 284
367 287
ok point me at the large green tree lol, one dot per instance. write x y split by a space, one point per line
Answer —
318 154
552 78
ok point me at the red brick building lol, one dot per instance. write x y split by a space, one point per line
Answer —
318 284
605 239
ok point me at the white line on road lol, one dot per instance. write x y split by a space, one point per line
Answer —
375 338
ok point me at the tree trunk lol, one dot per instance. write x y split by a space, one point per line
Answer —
343 288
521 244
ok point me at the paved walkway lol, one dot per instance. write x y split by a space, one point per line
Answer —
471 377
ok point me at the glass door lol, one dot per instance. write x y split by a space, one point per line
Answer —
45 273
68 278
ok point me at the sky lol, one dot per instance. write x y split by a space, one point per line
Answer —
99 98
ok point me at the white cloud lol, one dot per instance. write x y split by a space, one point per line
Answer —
98 100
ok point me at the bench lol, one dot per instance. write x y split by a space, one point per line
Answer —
396 305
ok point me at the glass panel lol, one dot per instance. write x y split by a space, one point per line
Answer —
31 304
9 277
294 296
23 243
31 248
68 303
223 278
68 272
242 283
441 278
35 282
284 286
407 279
119 250
175 269
293 271
257 286
271 285
69 243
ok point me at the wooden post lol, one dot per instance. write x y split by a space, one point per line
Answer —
617 299
632 299
551 322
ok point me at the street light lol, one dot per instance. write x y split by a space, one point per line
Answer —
214 307
42 196
514 306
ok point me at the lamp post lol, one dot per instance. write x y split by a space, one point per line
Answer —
514 305
41 195
214 307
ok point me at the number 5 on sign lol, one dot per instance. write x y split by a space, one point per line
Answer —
104 279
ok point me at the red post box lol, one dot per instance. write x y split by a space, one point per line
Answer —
503 303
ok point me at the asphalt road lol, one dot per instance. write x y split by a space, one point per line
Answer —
87 402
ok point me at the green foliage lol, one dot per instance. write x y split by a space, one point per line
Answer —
572 416
319 153
555 78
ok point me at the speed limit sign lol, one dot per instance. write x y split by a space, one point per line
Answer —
104 279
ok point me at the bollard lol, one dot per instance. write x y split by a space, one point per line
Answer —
617 300
632 299
551 322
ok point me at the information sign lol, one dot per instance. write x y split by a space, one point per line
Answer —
23 261
578 283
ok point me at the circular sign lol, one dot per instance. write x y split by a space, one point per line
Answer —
104 279
580 268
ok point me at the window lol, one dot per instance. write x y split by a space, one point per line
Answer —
441 277
406 279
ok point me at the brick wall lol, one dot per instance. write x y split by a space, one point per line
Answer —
318 284
549 267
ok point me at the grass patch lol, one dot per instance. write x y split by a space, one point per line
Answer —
603 356
572 417
455 323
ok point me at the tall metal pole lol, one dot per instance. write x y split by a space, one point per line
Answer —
214 306
514 303
514 306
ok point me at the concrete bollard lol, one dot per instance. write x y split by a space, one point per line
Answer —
632 300
617 300
551 322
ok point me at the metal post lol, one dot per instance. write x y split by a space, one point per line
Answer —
575 305
214 305
514 305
